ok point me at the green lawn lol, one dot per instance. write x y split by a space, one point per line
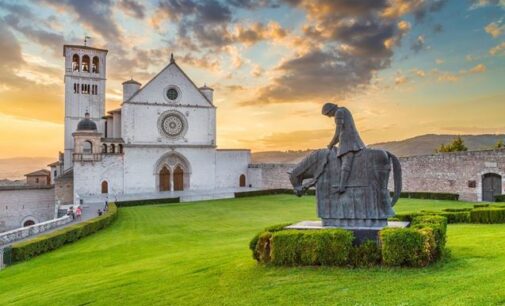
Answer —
197 253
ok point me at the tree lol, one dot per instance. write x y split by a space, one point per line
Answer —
499 144
457 145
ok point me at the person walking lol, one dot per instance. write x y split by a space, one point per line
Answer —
78 213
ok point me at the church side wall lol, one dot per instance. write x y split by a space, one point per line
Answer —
448 172
20 204
230 164
141 162
88 176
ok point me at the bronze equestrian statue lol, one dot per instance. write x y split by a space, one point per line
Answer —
351 181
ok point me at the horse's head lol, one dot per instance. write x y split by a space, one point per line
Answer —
309 168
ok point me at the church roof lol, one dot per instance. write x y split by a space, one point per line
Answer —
131 81
172 62
54 164
86 124
40 172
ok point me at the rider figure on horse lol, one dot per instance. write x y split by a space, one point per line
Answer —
346 135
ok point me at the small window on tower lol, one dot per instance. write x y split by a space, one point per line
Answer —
85 63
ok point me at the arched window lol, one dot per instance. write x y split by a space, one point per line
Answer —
85 63
76 88
94 67
105 187
75 62
120 147
87 147
104 148
112 148
242 181
28 223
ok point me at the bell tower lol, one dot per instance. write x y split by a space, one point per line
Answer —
85 71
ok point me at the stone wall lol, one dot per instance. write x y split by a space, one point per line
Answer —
19 204
270 176
452 172
64 188
448 172
22 233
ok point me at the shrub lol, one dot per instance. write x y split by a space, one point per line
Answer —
480 205
457 217
311 247
452 217
367 254
44 243
499 198
406 247
147 202
430 195
438 224
456 209
255 193
254 241
488 215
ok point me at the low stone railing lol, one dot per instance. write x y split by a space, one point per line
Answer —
24 232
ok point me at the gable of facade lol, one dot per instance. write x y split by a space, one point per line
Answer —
169 110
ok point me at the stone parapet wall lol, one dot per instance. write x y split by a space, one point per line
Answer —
270 176
24 232
458 172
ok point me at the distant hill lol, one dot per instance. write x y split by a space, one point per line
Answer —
419 145
16 168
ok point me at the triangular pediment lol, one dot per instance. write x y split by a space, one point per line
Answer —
171 77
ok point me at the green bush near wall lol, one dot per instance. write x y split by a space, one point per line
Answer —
488 215
500 198
27 249
417 246
147 202
430 195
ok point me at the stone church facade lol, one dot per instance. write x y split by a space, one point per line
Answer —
162 138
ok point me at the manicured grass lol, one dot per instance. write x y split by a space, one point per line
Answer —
197 253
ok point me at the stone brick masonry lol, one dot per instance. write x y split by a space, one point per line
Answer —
458 172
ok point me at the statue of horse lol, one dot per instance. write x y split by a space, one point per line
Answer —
366 201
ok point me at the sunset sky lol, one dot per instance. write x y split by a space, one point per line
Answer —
404 68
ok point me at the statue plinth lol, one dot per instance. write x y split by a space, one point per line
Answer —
361 233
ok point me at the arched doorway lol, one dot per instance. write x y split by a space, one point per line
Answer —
178 178
105 187
165 179
242 181
491 186
28 223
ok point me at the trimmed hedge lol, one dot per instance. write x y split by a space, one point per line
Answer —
430 195
488 215
417 246
308 247
27 249
499 198
481 213
147 202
